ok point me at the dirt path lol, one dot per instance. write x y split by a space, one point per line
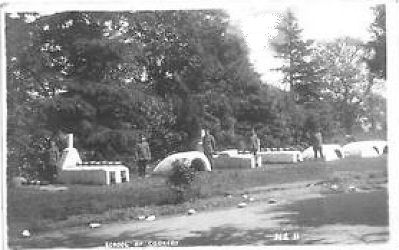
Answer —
260 223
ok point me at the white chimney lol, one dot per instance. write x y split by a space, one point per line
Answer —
70 140
70 155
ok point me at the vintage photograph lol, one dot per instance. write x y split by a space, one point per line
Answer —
237 125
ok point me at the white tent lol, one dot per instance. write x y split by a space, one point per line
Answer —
331 152
365 149
165 166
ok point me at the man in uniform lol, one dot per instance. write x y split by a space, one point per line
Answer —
53 158
143 155
255 146
317 142
208 143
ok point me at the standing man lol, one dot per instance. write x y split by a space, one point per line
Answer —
53 158
255 146
317 143
143 155
208 143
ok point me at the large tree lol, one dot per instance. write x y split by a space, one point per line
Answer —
108 76
345 78
377 62
299 69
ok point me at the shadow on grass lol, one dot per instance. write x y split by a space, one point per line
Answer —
344 208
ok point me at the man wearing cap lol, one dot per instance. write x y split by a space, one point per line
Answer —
143 155
208 143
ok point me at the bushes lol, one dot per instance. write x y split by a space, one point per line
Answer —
183 177
198 165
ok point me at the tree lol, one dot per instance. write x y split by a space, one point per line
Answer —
377 62
108 76
374 110
345 78
26 137
300 71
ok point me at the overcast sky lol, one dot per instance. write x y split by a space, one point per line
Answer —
318 21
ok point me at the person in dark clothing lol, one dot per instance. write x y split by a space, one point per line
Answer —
317 142
53 158
143 155
255 146
208 143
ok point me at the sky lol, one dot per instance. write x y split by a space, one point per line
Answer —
321 22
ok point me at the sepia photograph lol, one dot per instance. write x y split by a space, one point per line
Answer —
258 123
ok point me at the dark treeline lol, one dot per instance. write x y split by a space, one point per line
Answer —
109 76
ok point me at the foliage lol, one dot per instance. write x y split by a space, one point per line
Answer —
377 63
27 139
346 80
198 164
374 112
180 180
299 69
109 76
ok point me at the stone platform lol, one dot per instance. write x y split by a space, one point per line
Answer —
72 170
94 174
235 161
268 157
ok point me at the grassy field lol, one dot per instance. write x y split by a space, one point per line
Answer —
30 208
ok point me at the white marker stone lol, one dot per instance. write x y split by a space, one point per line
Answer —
26 233
94 225
242 205
150 218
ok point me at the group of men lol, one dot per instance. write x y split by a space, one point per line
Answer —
209 145
143 152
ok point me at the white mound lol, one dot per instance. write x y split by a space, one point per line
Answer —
331 152
365 149
165 166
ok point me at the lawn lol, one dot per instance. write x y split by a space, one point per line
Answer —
28 207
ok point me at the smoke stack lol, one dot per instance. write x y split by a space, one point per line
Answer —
70 155
70 140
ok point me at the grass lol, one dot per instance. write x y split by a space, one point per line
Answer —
28 207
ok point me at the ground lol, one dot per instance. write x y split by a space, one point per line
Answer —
315 202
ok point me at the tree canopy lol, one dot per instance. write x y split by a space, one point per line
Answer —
108 77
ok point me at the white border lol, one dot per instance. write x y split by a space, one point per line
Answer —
109 5
3 126
393 118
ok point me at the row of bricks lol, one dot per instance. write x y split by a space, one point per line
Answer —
101 163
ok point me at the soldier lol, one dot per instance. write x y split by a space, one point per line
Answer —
143 155
208 143
317 143
255 146
53 158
